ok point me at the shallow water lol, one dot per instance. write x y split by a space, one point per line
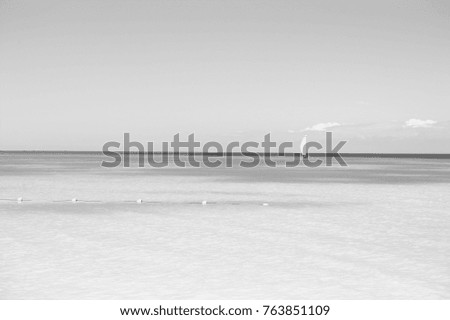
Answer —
378 229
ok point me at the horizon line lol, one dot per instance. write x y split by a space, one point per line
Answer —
227 154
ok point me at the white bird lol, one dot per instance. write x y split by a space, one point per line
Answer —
74 200
19 200
265 204
204 202
139 200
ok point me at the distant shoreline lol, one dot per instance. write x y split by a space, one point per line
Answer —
235 154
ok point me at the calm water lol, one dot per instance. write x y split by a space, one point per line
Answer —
378 229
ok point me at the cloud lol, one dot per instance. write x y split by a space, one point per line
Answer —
417 123
323 126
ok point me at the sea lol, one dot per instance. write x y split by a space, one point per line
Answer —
378 228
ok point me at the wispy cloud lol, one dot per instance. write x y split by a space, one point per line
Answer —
323 126
417 123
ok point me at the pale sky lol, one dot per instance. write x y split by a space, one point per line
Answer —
75 74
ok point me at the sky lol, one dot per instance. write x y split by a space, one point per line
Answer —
76 74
